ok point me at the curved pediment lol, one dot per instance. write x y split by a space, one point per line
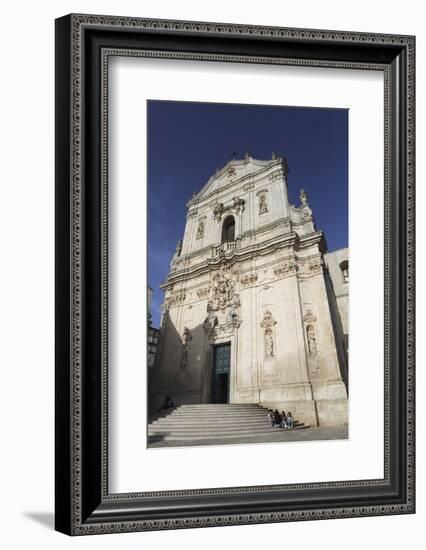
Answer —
233 172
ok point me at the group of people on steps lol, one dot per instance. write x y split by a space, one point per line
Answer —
280 420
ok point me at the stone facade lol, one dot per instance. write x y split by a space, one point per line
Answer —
251 272
337 263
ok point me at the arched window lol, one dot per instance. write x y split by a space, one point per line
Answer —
344 266
228 229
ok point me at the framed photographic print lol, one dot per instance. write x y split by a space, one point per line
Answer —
232 202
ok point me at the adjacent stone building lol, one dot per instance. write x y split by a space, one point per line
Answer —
251 313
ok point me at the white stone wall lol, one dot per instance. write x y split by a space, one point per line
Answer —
333 261
251 180
266 295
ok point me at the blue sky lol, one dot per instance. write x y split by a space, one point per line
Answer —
188 141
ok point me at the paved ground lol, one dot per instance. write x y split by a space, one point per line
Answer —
276 436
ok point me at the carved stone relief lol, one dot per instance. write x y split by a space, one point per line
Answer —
231 173
286 268
223 305
237 206
249 279
223 287
315 266
179 297
309 268
176 298
202 293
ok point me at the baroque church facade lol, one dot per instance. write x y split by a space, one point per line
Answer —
250 311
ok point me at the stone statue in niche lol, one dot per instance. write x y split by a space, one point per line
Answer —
268 321
312 343
177 253
263 206
200 230
267 324
309 317
269 343
186 338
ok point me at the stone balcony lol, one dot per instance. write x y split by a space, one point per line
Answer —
226 249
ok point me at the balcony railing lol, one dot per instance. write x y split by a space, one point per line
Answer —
225 248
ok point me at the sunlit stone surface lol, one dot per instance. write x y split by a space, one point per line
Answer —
252 273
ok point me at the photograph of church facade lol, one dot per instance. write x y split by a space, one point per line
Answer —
254 316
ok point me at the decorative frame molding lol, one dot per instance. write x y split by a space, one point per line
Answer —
84 44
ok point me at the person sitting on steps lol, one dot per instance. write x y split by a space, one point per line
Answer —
283 420
277 419
290 421
271 417
168 404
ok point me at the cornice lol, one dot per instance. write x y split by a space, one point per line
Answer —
306 241
239 255
244 179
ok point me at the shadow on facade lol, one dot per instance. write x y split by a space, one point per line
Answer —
185 376
341 339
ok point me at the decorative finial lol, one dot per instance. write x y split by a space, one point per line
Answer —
303 197
247 155
274 155
179 247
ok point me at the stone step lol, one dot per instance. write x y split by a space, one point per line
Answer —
208 418
218 410
184 436
205 423
215 433
213 428
196 422
224 412
214 415
216 407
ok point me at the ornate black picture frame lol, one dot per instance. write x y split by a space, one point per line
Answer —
84 43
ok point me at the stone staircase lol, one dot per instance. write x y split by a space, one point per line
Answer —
213 422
